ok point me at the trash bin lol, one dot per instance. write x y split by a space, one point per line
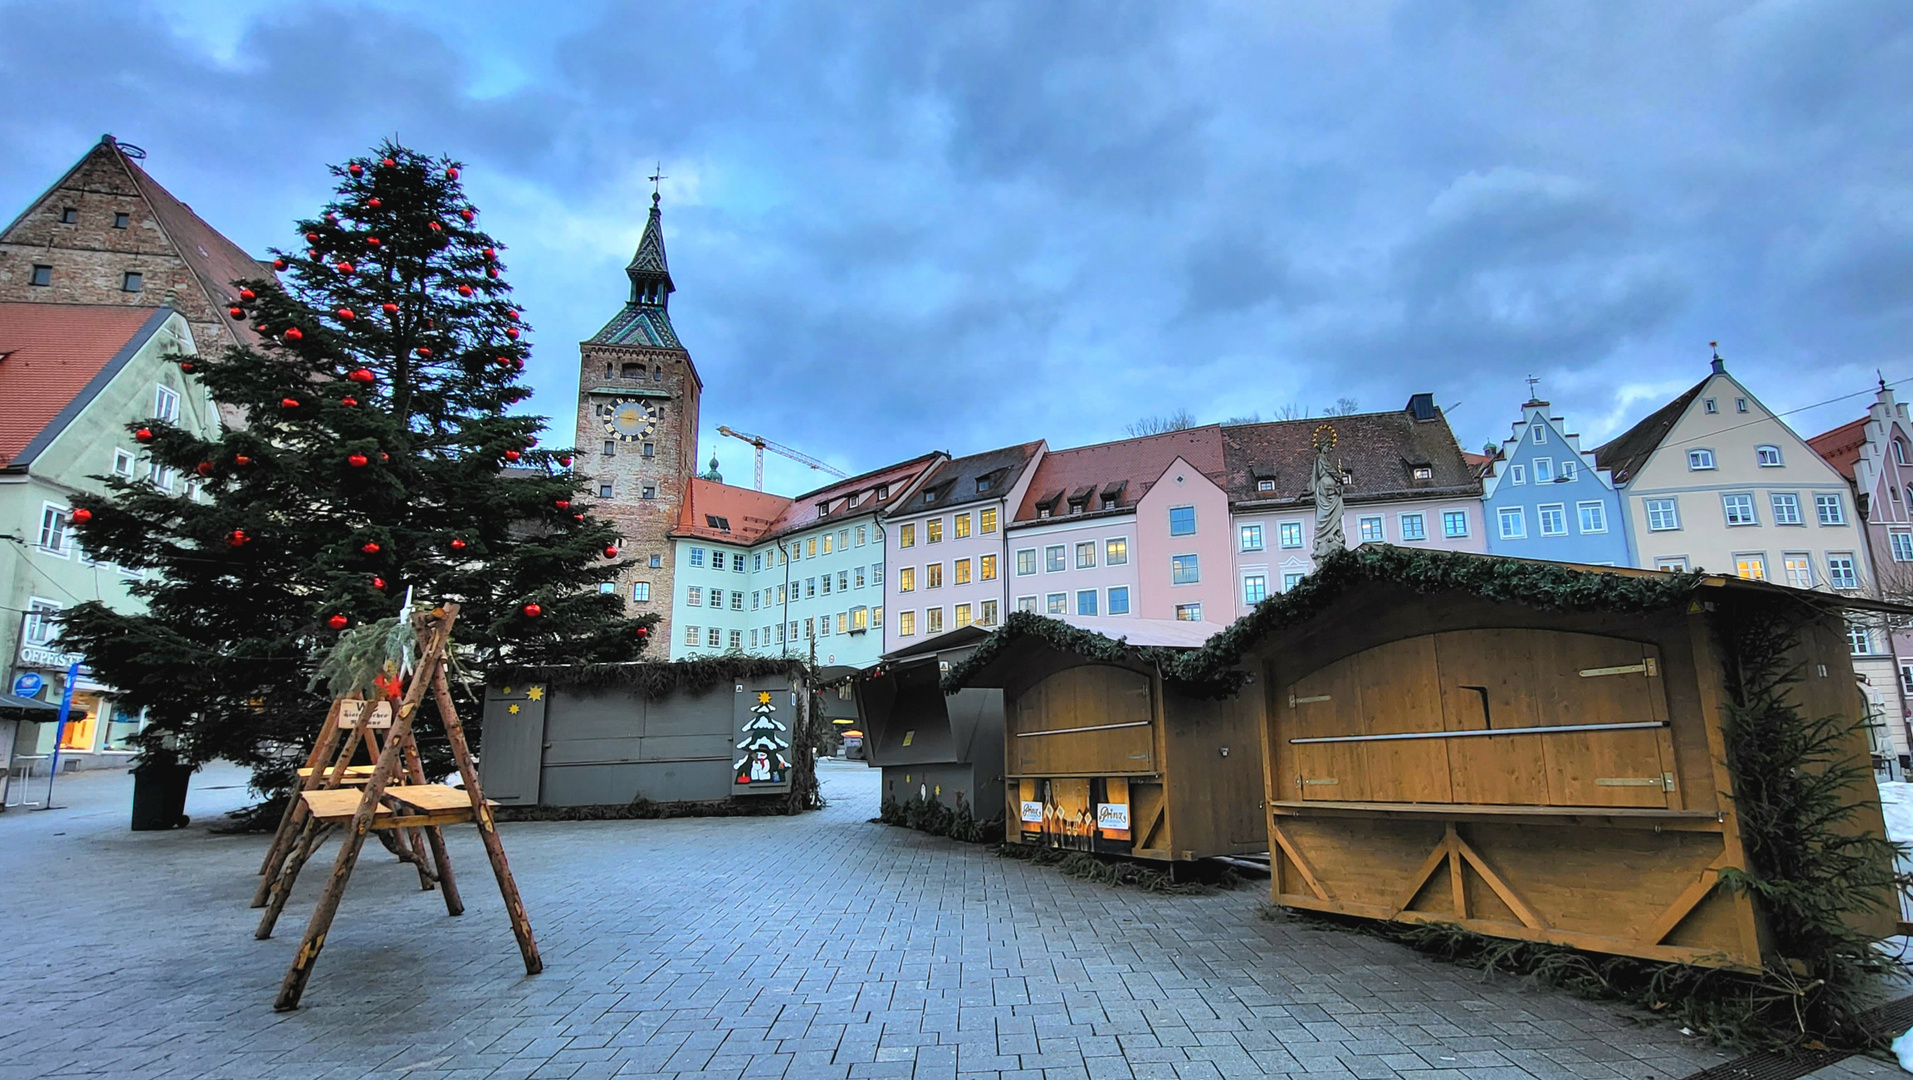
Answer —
159 795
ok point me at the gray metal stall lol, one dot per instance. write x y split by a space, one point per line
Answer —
931 745
549 741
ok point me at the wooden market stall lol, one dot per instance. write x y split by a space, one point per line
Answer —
933 746
1103 754
710 730
1529 750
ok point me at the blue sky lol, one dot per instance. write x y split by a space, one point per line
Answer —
901 227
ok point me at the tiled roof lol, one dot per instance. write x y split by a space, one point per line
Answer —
1841 446
954 482
1123 469
735 515
892 480
1628 451
50 357
1379 451
216 261
639 325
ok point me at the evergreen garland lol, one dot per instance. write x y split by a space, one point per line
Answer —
656 679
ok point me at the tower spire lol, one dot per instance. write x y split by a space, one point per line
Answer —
649 271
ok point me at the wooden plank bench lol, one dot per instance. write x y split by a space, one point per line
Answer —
354 774
406 806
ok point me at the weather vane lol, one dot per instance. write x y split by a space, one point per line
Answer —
657 176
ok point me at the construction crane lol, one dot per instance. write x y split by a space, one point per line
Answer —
760 444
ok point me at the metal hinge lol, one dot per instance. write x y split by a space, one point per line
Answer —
1294 701
1646 667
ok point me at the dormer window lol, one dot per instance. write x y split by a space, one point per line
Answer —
982 484
1109 502
1042 511
721 524
883 492
1265 485
1078 507
1423 472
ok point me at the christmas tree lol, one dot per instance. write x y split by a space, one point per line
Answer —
378 458
764 760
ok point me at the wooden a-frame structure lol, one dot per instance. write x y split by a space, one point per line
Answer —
390 798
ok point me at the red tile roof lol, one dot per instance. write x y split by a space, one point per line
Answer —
1123 469
735 515
216 261
1380 452
1841 446
49 354
893 480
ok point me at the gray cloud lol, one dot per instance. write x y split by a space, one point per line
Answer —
901 226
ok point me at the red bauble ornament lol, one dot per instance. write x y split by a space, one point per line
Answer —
332 217
80 515
348 402
248 294
434 226
491 253
370 547
383 456
491 271
373 203
390 308
388 163
144 435
312 238
562 504
360 375
458 545
355 169
346 314
237 538
451 174
511 455
464 290
241 459
338 622
577 517
373 240
278 264
378 582
204 468
511 332
186 366
532 611
423 351
289 403
261 328
644 631
312 253
236 313
293 333
504 361
358 461
565 461
611 552
344 268
466 214
511 314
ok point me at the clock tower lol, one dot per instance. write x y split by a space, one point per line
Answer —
637 428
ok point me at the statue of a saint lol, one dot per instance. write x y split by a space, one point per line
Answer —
1326 485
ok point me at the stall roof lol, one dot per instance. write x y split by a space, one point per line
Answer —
959 638
1029 639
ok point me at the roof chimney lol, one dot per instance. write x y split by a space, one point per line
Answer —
1720 366
1421 406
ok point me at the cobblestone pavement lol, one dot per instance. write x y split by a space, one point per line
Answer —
734 948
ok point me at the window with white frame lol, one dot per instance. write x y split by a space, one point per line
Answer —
1116 551
123 464
1751 566
1184 569
1831 508
1767 457
1517 474
165 404
1086 601
1543 470
1413 527
1118 600
641 591
1255 588
53 536
1662 515
1567 470
1086 555
1739 508
1512 521
1053 561
1454 523
1840 571
1699 460
1540 434
1593 516
1900 455
1786 506
1025 562
1797 566
1860 637
1902 545
1182 521
1251 537
1189 612
692 636
1671 563
1056 604
1290 533
1026 603
42 623
1370 529
1553 518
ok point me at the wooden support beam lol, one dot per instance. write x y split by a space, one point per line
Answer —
1302 866
321 747
1685 904
1427 870
1502 889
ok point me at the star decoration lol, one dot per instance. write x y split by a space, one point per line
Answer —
507 691
535 693
763 697
513 710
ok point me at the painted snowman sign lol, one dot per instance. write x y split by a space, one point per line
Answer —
764 748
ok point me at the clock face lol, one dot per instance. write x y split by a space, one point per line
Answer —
629 419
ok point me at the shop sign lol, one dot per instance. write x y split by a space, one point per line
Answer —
1033 811
36 656
28 685
1112 816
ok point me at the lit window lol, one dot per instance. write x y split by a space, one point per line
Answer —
986 615
960 572
1413 528
906 624
1831 508
1662 515
1184 569
907 535
986 568
933 620
810 548
960 526
1119 600
1700 459
1786 508
1739 509
1671 563
1799 569
1116 551
933 575
986 521
907 579
933 531
1086 555
1255 588
1751 567
1188 612
1251 537
961 617
1767 456
1291 534
1182 520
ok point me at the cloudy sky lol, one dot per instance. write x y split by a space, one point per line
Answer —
897 227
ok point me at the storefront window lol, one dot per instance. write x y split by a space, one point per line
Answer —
82 723
121 728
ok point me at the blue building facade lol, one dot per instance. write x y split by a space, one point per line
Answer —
1544 498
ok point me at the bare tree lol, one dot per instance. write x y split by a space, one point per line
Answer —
1292 411
1180 420
1252 418
1344 406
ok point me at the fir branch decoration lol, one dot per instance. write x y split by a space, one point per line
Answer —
656 679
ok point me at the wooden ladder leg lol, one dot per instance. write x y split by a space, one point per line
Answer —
487 832
330 777
308 955
322 746
281 883
435 838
